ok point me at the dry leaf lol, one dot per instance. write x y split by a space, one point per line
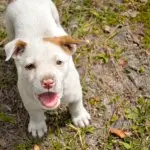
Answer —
122 62
94 101
120 133
36 147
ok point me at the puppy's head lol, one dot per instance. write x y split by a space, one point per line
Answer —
42 66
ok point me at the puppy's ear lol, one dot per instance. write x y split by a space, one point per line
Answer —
14 49
66 42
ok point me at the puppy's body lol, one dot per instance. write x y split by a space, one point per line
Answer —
33 18
41 61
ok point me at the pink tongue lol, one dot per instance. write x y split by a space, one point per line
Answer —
48 99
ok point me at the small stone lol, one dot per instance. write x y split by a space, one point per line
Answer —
107 29
3 144
87 41
130 13
133 14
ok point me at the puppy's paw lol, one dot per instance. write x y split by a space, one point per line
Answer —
37 128
82 120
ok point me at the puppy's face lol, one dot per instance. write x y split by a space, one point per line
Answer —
43 65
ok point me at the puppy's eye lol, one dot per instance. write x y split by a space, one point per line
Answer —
30 66
59 62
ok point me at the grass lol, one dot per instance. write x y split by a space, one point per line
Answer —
138 116
143 17
5 118
2 34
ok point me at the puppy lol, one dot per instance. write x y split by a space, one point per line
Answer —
42 51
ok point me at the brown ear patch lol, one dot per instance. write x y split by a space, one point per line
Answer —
65 42
19 47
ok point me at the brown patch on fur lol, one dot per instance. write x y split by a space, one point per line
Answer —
19 47
66 42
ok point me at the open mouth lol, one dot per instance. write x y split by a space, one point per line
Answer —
48 99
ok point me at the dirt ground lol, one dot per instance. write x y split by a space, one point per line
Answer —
115 76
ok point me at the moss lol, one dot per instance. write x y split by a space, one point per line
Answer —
6 118
3 34
108 17
20 147
26 145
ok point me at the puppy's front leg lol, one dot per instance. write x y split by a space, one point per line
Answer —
37 125
79 114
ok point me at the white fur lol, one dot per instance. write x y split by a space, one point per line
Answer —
30 21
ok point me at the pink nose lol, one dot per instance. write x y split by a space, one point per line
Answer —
47 83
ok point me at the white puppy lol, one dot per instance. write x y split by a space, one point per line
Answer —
43 55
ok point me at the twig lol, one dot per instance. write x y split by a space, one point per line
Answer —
78 130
